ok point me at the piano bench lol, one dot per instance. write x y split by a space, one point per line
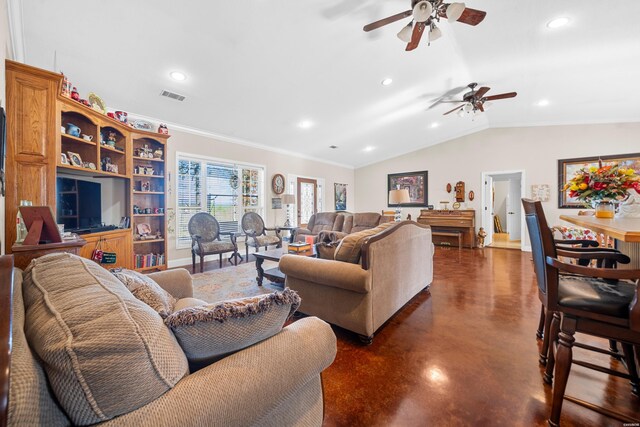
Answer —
449 233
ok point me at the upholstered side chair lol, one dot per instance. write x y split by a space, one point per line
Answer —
256 233
205 240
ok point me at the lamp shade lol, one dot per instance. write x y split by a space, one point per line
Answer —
405 32
398 197
434 34
454 11
422 11
288 199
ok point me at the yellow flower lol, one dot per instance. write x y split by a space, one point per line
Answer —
622 171
583 186
573 187
630 172
593 169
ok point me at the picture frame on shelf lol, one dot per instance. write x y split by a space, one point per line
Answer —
64 159
340 196
75 159
415 182
568 167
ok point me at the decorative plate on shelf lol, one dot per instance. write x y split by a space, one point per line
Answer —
142 125
97 103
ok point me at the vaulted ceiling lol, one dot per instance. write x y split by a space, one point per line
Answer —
256 69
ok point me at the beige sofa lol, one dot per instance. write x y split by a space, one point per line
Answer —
373 274
321 221
333 226
274 382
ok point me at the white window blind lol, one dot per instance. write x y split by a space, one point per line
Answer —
225 190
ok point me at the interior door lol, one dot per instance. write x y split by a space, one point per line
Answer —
307 200
488 209
514 210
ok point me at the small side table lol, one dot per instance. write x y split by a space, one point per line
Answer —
23 254
289 229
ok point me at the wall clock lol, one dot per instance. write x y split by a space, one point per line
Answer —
277 183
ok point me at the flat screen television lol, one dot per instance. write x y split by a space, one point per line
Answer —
79 205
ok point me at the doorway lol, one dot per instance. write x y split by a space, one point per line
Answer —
307 190
502 216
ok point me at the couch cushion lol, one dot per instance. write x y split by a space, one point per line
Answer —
349 248
105 352
146 290
208 332
364 221
324 221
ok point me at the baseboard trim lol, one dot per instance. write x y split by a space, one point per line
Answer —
180 262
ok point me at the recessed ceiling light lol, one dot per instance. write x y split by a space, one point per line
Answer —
305 124
435 125
333 146
177 75
558 22
387 82
542 103
368 148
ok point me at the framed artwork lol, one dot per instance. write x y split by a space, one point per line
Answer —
415 182
276 203
340 196
75 159
568 167
540 192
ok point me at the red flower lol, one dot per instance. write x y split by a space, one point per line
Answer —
586 179
599 185
636 186
573 193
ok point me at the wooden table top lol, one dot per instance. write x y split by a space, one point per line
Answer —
625 229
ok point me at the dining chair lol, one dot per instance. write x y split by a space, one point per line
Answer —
601 302
205 240
256 233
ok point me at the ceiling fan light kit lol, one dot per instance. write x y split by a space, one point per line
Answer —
475 101
425 14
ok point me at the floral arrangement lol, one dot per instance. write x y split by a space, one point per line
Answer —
603 183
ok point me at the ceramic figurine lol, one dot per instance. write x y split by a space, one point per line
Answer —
163 129
75 95
66 86
158 153
481 235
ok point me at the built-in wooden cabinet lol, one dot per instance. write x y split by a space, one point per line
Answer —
38 122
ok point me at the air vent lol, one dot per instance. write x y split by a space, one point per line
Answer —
172 95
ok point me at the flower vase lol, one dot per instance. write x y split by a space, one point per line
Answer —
605 209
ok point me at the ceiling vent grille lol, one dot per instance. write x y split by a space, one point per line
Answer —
172 95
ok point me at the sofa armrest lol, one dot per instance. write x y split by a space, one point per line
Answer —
326 272
177 282
244 388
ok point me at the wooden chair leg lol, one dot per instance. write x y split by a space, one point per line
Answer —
193 262
236 255
220 260
613 346
546 336
563 362
201 263
540 323
246 247
627 349
553 336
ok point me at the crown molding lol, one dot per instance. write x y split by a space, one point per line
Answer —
16 30
232 140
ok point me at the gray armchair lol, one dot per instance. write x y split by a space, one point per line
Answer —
205 240
256 232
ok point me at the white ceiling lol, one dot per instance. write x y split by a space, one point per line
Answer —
256 69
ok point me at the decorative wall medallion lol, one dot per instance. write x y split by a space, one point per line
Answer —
277 183
540 192
472 195
449 188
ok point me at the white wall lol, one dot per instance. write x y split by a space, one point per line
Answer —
535 150
5 52
272 161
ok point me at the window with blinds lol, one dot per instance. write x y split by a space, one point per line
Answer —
225 190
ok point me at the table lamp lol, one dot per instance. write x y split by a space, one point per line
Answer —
398 198
288 199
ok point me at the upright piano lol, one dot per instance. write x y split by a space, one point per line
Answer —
446 224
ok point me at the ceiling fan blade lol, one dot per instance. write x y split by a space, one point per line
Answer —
451 111
479 106
501 96
472 16
418 29
388 20
480 93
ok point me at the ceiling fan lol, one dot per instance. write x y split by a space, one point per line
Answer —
473 101
425 14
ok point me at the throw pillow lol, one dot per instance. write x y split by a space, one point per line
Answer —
207 333
350 247
146 290
105 352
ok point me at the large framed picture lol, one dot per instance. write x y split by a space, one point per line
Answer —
340 196
568 167
415 182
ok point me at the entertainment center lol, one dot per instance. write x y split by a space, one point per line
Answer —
102 178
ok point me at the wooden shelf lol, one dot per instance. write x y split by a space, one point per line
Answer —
148 192
155 267
137 215
76 139
141 175
148 159
88 171
140 242
106 147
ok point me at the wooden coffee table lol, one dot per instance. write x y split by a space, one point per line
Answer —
274 274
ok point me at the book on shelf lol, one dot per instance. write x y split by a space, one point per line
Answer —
148 260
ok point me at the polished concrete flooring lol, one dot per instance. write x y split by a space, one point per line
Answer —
464 353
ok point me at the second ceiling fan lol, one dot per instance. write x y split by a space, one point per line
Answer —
425 14
473 101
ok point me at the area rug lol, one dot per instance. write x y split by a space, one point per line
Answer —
232 282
